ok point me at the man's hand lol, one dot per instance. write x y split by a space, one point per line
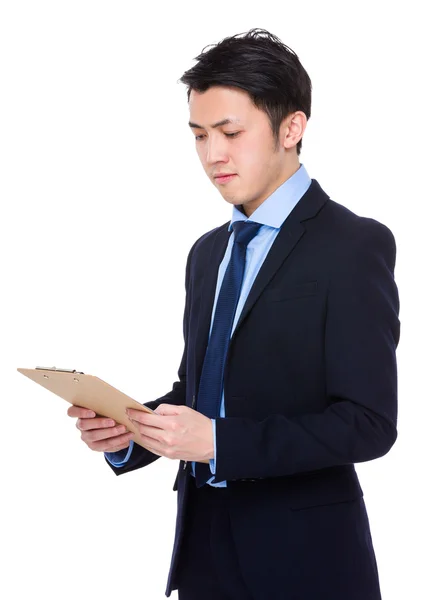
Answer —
100 433
175 432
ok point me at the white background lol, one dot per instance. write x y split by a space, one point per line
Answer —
96 160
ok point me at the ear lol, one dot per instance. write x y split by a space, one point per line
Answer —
295 129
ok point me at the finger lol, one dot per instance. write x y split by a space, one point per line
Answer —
80 413
151 434
153 449
139 416
95 435
111 445
124 446
169 409
96 423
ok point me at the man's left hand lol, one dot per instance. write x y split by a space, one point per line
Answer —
177 432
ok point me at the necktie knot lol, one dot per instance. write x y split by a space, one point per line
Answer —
244 231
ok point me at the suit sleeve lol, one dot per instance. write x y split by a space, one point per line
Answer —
362 331
139 456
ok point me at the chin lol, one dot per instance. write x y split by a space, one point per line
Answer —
234 202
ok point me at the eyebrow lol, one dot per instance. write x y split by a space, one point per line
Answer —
214 125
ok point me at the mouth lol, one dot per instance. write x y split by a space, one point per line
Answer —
224 178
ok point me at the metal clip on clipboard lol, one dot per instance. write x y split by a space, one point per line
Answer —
59 370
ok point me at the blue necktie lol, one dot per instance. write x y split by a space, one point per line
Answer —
211 381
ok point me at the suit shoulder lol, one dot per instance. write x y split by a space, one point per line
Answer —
206 239
352 235
354 228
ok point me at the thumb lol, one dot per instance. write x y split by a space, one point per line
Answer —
167 409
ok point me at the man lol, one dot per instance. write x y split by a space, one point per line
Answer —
288 375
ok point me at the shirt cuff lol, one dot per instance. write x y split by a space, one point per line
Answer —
120 458
213 461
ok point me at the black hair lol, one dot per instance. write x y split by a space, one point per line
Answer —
260 64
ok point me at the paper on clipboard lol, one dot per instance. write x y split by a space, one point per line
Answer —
90 392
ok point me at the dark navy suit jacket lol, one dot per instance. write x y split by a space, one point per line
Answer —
310 389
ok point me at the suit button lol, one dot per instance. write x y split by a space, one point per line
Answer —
184 464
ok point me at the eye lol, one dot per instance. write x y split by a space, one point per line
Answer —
230 135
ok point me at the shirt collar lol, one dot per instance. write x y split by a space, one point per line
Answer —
276 208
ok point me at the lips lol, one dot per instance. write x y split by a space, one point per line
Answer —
222 179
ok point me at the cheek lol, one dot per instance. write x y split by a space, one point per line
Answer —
251 158
201 154
255 167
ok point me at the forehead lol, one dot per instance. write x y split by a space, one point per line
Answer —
220 102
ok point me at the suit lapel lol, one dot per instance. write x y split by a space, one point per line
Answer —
285 241
290 234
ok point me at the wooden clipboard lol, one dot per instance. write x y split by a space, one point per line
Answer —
90 392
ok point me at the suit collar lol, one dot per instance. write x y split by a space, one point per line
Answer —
307 208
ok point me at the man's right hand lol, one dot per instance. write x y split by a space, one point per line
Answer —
100 433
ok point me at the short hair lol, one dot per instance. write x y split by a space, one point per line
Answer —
260 64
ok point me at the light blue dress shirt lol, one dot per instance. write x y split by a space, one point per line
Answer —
271 214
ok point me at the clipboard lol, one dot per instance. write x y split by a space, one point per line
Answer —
90 392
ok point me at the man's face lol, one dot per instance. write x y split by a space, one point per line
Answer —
250 154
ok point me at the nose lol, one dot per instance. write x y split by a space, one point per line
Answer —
216 151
